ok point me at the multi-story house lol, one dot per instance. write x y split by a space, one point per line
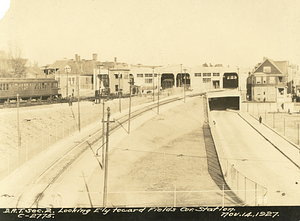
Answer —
269 82
73 75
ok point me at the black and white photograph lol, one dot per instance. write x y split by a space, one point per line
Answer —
150 109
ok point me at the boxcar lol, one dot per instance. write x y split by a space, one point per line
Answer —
28 88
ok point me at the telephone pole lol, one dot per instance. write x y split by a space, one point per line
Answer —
184 84
18 119
106 159
78 82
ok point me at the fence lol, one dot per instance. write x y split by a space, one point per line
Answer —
285 123
246 189
170 198
45 139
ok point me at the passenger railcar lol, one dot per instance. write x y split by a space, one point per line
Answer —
28 88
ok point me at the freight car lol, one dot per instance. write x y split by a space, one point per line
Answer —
28 89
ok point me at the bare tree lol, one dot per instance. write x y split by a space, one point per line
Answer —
11 63
4 67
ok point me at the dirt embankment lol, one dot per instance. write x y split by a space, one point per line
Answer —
36 120
163 155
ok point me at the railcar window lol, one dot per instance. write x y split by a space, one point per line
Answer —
0 87
37 86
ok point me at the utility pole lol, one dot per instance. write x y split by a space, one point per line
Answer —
153 81
78 82
67 71
106 159
119 93
18 119
129 108
158 90
184 84
180 75
103 127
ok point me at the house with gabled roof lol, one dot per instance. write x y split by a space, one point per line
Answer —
269 82
73 75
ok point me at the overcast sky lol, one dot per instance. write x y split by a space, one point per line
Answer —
155 32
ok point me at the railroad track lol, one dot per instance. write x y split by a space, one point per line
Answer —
59 166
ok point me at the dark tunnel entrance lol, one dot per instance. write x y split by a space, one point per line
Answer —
223 103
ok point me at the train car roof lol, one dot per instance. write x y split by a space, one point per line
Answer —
15 80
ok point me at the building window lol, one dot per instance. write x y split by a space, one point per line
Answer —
148 80
267 69
216 74
140 75
206 74
271 80
264 80
280 79
206 80
116 87
281 91
155 75
125 76
197 74
258 80
148 75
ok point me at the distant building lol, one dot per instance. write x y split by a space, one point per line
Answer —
73 74
34 71
270 81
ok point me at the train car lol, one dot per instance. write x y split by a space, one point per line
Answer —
28 88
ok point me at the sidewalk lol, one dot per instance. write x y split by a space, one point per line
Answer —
283 145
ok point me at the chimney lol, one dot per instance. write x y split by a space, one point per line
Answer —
115 59
95 57
76 57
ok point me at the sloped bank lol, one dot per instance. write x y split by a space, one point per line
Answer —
163 162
